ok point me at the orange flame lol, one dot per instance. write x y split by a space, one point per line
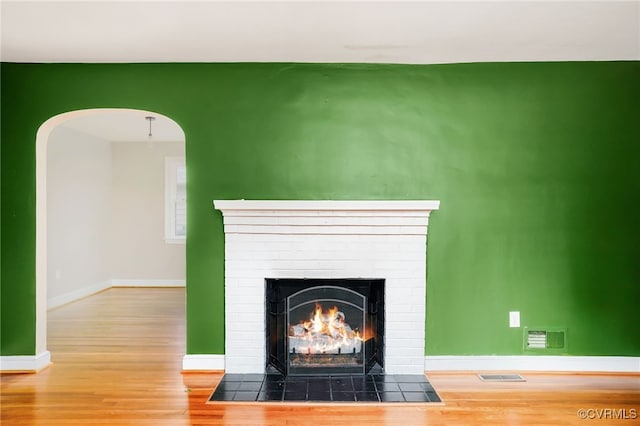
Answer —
325 332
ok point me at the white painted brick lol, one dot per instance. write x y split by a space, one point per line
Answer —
420 292
403 308
397 273
402 354
329 254
252 282
246 312
246 344
406 333
397 298
397 282
254 316
244 365
394 308
412 318
247 338
236 328
245 325
254 297
405 343
243 309
402 330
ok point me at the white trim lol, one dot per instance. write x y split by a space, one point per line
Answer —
203 362
611 364
177 240
72 296
321 205
25 362
533 363
148 283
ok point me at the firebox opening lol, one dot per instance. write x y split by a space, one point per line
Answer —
324 326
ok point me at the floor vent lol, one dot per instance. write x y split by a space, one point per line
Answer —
501 378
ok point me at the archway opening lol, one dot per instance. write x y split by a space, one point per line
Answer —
105 206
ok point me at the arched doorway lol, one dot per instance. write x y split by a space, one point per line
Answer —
116 124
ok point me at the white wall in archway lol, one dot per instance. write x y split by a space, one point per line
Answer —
139 252
79 182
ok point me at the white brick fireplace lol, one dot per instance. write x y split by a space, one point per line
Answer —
325 239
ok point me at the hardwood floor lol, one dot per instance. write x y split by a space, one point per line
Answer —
117 360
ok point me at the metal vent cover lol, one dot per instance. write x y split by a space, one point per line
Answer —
501 378
545 339
555 339
536 339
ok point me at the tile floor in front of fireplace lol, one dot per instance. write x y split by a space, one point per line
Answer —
357 388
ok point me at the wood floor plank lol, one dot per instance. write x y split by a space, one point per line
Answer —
117 361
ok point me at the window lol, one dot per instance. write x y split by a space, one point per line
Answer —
175 215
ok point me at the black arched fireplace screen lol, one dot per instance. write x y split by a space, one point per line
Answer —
324 326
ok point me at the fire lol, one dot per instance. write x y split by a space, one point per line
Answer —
325 333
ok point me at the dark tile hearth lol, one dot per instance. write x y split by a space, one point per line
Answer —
358 388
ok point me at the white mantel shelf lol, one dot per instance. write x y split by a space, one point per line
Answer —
326 217
327 205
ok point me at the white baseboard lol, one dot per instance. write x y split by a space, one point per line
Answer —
202 362
608 364
72 296
25 362
148 283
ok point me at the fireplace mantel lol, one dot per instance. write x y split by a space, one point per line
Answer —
327 205
326 217
325 239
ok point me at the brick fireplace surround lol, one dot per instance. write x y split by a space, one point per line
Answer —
325 239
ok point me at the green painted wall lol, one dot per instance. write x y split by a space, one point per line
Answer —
537 166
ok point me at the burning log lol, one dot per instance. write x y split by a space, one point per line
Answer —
325 360
325 333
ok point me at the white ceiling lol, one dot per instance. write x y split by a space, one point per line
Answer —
319 31
125 125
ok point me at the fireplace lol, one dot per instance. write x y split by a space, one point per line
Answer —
324 326
319 243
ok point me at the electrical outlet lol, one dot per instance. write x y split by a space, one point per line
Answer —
514 319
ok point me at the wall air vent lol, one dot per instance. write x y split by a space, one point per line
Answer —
545 340
537 339
555 339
